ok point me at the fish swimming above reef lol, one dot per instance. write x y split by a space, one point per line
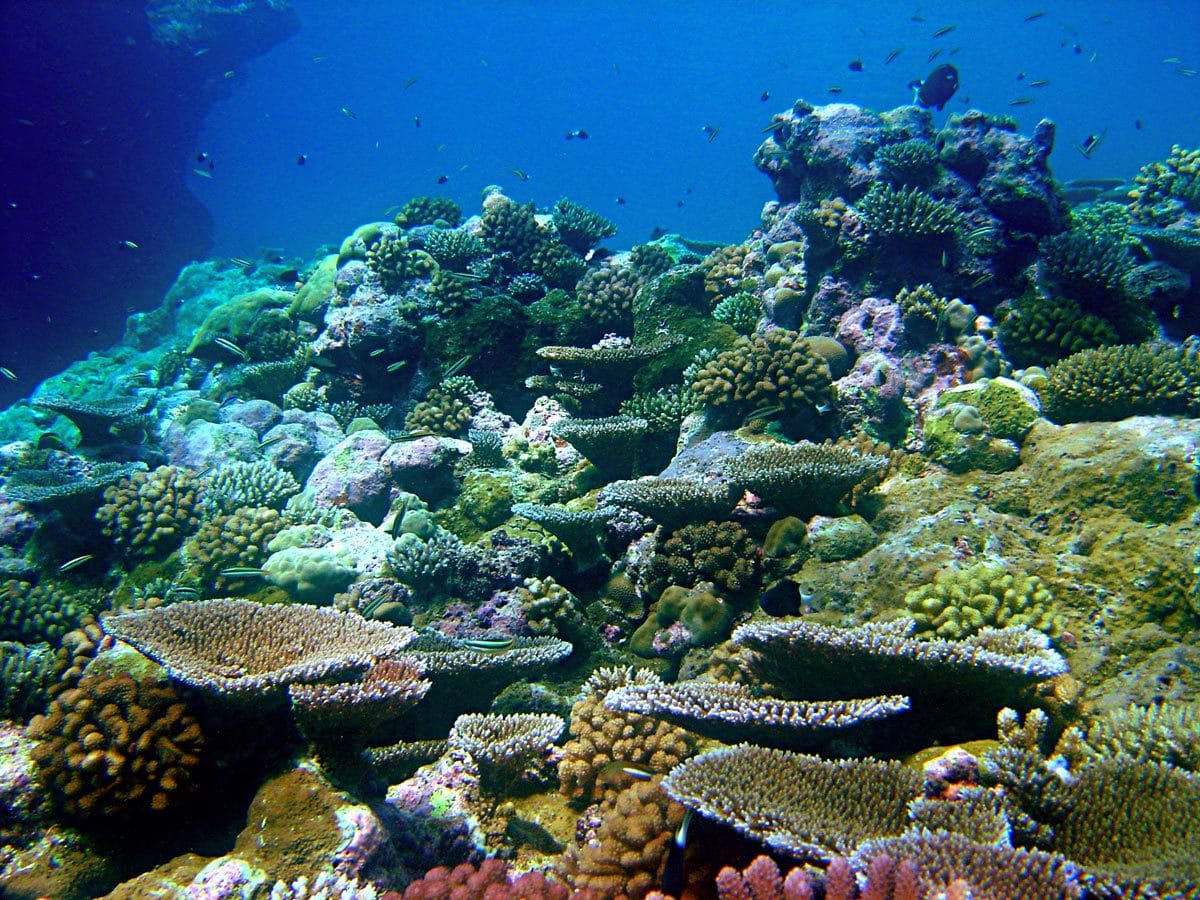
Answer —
937 88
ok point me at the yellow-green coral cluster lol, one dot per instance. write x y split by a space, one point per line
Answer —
32 613
723 553
1112 383
960 602
1165 190
550 609
427 211
907 213
723 271
1039 331
776 367
392 260
446 409
234 540
922 310
150 513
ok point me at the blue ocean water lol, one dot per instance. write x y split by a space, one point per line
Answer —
498 85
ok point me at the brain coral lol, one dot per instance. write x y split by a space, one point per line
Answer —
115 746
775 367
150 513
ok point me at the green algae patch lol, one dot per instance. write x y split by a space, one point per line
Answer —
484 503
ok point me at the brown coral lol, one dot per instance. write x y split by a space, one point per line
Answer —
600 736
113 746
150 513
777 367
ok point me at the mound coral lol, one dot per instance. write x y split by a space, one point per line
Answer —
723 553
453 248
606 296
32 613
150 513
446 409
26 675
1165 191
508 227
724 273
231 541
115 746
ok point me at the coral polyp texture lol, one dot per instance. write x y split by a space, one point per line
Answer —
866 534
238 647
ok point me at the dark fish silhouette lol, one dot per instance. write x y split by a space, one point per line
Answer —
781 599
856 65
937 88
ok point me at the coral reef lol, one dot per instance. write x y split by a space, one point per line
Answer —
985 594
150 513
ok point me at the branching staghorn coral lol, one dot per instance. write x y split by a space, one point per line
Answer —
238 485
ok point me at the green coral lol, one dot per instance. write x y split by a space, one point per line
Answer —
557 264
662 410
39 613
235 320
454 248
247 484
392 260
606 296
428 211
704 615
1113 383
580 228
26 676
1037 331
483 503
778 367
907 214
304 396
740 312
913 162
960 602
923 312
650 260
508 227
1087 264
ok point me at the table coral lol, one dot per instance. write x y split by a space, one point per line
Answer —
802 479
505 747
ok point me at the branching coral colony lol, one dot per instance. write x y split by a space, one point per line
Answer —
843 561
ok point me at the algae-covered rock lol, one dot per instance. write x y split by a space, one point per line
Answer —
316 289
234 318
845 537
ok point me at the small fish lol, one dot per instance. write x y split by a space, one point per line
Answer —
461 276
620 201
577 133
320 58
391 210
229 74
944 30
781 599
1039 83
378 351
442 179
488 645
410 82
182 590
679 204
226 344
202 173
521 176
983 279
1034 16
301 159
835 89
616 771
856 65
763 412
417 121
1172 60
413 435
76 562
28 123
982 231
457 366
242 572
674 876
241 263
1020 101
711 131
1020 76
1137 123
397 366
1187 71
273 439
1090 143
349 113
775 125
322 362
934 54
8 373
202 157
130 244
891 57
764 96
201 52
945 260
